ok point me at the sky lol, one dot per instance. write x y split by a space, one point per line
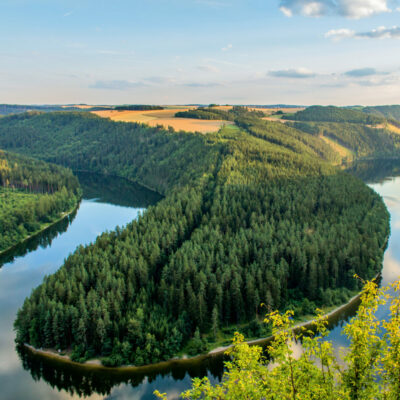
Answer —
341 52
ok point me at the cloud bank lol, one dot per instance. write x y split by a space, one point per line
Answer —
346 8
379 33
297 73
361 72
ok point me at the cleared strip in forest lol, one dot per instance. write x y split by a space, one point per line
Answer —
338 148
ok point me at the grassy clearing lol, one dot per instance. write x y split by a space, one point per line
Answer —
338 148
393 128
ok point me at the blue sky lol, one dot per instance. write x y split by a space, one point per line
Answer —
200 51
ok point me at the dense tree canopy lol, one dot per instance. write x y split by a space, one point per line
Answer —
153 157
388 112
138 107
253 214
213 113
32 193
334 114
370 368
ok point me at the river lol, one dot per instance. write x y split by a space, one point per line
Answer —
109 202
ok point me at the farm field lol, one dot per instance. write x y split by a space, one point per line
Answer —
165 118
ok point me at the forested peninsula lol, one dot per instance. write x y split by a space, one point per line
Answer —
255 213
33 194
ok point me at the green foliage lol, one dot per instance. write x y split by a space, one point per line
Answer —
252 215
388 112
212 113
362 140
370 368
286 137
334 114
153 157
32 193
206 113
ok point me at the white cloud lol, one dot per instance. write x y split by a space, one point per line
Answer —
363 8
363 72
338 34
286 11
379 33
347 8
227 47
201 84
297 73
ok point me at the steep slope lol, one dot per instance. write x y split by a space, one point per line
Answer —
388 112
33 194
334 114
252 215
360 134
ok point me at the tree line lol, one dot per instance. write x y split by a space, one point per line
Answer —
369 369
32 193
252 215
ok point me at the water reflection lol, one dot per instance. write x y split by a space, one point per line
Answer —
57 380
83 382
375 171
24 269
112 190
43 240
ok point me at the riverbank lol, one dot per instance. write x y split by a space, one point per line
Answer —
185 360
42 229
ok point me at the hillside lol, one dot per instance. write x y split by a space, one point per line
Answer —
334 114
388 112
154 157
349 139
33 194
253 214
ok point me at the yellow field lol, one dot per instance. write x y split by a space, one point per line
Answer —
81 106
282 121
165 118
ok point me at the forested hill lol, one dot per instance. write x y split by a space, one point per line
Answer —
334 114
353 134
153 157
252 215
32 193
388 112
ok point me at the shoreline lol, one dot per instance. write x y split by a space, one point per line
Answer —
121 177
219 351
48 225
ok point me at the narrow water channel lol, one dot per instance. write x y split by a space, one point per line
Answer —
109 202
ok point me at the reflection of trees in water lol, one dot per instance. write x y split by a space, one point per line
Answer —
118 191
374 171
42 239
108 189
84 382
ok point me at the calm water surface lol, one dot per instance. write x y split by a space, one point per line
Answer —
109 202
